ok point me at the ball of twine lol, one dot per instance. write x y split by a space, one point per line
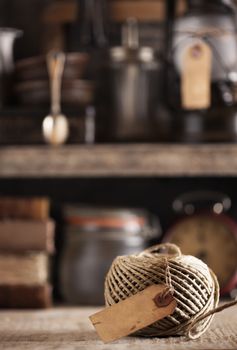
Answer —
193 284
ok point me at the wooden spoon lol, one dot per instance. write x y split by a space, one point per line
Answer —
55 126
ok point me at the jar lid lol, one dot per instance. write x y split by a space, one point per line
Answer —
123 220
106 218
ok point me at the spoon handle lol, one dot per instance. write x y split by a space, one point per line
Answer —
55 65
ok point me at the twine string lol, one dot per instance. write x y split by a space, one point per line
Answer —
168 280
207 314
193 284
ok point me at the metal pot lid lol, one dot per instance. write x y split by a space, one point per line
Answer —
130 49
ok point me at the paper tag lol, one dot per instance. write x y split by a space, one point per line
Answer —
134 313
196 77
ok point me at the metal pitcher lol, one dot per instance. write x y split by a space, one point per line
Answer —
132 75
7 39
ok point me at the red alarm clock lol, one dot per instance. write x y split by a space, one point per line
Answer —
205 230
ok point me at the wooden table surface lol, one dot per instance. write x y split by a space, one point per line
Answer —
69 328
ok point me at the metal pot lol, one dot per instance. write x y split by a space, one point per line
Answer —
93 238
131 89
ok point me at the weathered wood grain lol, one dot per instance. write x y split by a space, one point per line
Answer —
66 11
70 329
119 160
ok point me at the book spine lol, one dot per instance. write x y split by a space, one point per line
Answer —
20 236
24 208
27 269
20 296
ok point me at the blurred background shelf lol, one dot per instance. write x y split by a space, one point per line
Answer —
66 11
121 160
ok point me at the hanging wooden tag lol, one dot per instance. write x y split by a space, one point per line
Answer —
134 313
196 77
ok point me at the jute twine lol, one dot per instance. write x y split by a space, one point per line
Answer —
193 284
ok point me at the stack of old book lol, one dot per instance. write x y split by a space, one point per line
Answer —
26 243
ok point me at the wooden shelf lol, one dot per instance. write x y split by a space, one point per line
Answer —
65 11
134 160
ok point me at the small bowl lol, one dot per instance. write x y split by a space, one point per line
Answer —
35 68
74 92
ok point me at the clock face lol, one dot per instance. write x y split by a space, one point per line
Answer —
211 240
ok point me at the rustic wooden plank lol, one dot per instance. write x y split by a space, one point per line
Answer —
145 10
65 11
60 12
115 160
70 329
119 160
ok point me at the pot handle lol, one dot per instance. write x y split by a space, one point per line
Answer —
130 34
99 23
84 18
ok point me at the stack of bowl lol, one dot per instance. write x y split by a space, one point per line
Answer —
32 81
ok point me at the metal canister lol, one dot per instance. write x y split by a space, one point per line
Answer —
93 238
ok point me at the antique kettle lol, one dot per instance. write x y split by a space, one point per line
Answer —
213 22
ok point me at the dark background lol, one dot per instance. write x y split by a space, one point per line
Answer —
25 15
